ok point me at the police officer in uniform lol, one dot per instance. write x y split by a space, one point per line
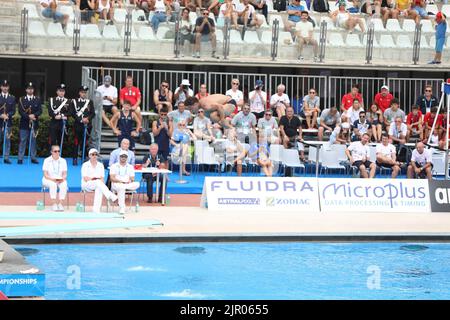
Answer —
30 108
7 110
82 110
58 109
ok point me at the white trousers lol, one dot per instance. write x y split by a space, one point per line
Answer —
100 190
53 186
120 188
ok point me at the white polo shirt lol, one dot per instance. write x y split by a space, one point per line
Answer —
88 170
122 173
423 158
386 151
110 91
55 168
235 95
359 151
394 131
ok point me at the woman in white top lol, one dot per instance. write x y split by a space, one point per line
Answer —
55 175
186 28
180 139
227 12
235 93
92 180
106 10
202 126
162 11
343 19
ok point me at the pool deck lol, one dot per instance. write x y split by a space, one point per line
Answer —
197 224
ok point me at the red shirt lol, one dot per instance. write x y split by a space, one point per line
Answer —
198 96
429 119
414 118
383 102
131 94
347 100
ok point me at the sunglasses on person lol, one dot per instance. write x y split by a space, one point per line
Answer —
55 151
164 86
362 116
427 90
200 111
235 83
268 114
94 154
312 92
205 13
124 156
182 125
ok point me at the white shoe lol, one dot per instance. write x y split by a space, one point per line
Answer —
60 207
122 211
55 207
113 198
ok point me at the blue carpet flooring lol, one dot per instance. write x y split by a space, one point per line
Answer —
28 177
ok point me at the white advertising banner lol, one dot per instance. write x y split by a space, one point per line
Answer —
374 195
260 194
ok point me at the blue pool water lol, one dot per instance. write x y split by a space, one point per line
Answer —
285 270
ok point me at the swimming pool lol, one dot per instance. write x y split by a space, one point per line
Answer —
275 270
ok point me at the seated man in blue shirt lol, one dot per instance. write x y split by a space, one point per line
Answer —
294 11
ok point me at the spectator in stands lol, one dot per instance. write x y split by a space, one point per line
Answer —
210 5
418 10
93 180
398 131
434 138
87 10
341 134
375 117
311 108
387 156
291 131
352 114
245 123
203 127
421 163
162 130
186 29
163 97
402 7
122 178
392 113
329 120
133 95
445 135
261 6
183 92
294 11
441 30
234 151
50 11
305 36
321 6
383 99
259 153
280 101
153 160
361 126
106 11
122 124
227 12
180 140
258 100
236 94
345 20
355 6
109 94
348 99
427 100
414 122
388 10
181 114
205 29
146 6
429 120
372 8
203 92
55 176
124 146
358 154
268 127
162 12
247 15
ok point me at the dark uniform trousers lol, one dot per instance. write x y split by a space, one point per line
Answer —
7 106
56 125
78 111
28 128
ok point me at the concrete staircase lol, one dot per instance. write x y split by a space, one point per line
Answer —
109 143
9 26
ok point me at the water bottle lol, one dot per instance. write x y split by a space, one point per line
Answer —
81 207
136 208
218 134
167 199
77 207
39 205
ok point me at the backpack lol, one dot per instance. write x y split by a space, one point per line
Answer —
279 5
145 138
321 6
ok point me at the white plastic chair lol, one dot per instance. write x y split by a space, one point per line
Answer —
291 159
378 25
427 26
146 33
392 25
336 40
353 41
446 10
409 25
432 8
110 32
90 31
272 18
251 37
403 41
55 30
162 32
133 33
235 37
32 11
386 41
36 28
330 161
120 15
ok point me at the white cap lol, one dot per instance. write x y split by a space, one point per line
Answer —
345 125
385 87
93 150
185 82
123 152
